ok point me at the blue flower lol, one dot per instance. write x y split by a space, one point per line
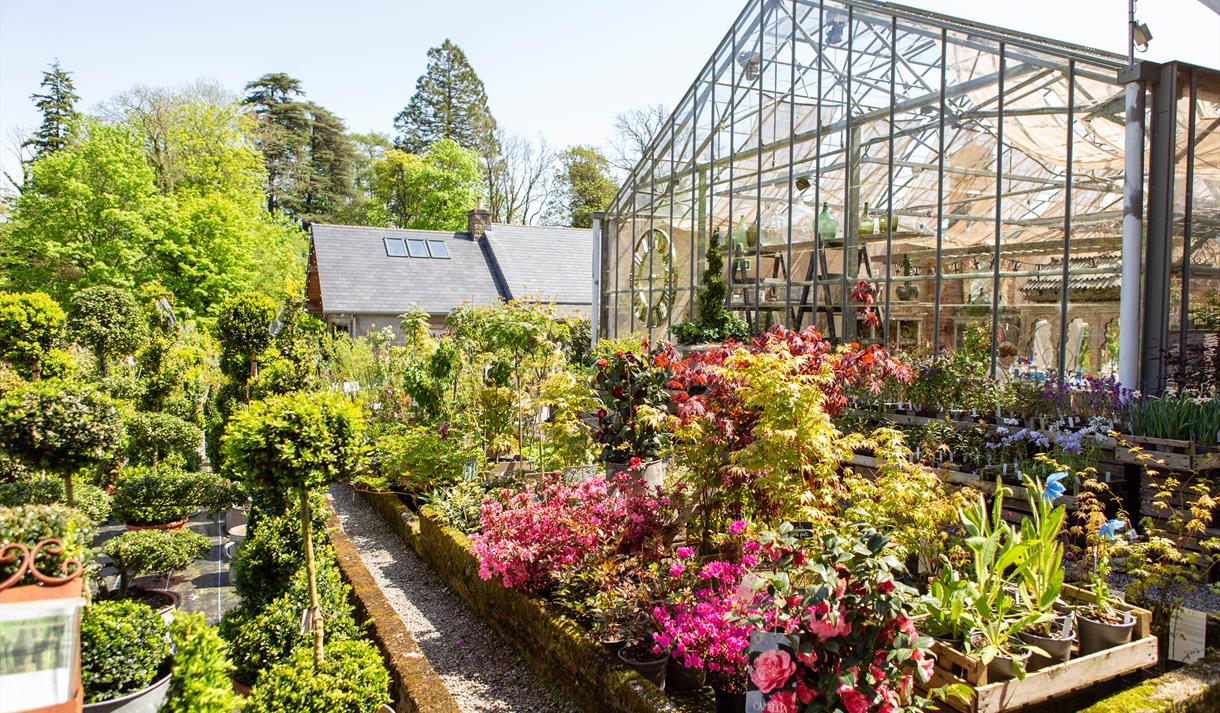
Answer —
1109 529
1054 488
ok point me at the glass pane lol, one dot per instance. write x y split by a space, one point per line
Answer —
417 248
394 247
438 249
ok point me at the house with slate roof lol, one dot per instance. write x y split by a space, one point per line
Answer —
361 279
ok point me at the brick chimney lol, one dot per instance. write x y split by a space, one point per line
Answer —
477 220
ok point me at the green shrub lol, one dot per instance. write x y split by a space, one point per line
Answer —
157 495
91 500
352 679
155 437
260 638
142 552
272 553
59 426
419 459
243 330
30 524
714 322
108 321
123 647
31 325
201 682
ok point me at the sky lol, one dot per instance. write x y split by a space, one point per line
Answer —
561 69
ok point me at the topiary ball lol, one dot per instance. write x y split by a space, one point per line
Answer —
352 679
123 648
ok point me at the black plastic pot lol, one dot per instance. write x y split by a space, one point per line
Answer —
147 700
614 645
681 678
1058 647
730 702
1098 636
652 670
1002 668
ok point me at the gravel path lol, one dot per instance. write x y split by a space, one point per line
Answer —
481 671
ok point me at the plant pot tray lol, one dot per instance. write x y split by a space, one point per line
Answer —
1073 676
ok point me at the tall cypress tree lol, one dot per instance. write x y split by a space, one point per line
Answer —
57 102
450 102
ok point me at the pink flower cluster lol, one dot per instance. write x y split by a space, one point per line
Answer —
530 538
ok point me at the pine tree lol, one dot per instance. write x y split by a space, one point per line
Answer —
450 102
283 134
58 106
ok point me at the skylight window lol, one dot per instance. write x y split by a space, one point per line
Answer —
438 249
394 247
416 247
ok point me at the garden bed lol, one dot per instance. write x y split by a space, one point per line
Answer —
553 645
1071 677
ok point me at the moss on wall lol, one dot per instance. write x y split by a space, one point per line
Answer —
1191 689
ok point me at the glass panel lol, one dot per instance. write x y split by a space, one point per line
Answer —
416 247
438 249
394 247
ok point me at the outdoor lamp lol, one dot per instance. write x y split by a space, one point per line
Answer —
828 227
39 637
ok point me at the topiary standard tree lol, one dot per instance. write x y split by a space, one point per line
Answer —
714 323
243 329
60 427
31 325
298 443
108 321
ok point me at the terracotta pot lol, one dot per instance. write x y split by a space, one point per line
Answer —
1098 636
148 700
681 678
241 689
653 669
173 526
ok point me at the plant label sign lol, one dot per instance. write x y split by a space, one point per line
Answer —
770 672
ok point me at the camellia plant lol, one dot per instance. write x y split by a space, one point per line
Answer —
631 385
297 443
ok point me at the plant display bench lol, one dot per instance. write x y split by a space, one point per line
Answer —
1071 677
1171 454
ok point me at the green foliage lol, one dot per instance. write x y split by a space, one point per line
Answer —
714 322
57 103
272 552
262 637
142 552
1177 416
243 329
450 103
296 442
30 524
156 437
157 495
352 679
201 682
418 459
460 505
31 326
123 647
432 190
108 321
90 500
584 185
59 426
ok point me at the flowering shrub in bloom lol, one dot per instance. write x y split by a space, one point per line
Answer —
847 620
529 538
631 385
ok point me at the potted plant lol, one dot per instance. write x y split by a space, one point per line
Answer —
907 291
91 500
942 608
714 323
125 657
160 552
1041 577
1102 626
164 497
630 422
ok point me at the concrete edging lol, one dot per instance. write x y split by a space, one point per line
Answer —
416 687
552 645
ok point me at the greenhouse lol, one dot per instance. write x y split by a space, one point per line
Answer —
923 175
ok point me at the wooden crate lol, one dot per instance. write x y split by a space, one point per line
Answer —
1073 676
1169 453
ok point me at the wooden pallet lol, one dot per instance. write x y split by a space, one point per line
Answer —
1169 453
1072 676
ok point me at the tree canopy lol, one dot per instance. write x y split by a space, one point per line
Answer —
433 191
450 102
584 186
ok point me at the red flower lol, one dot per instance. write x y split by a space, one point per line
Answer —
772 669
853 700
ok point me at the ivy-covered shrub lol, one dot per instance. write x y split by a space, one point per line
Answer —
272 553
31 326
157 495
59 426
260 638
91 500
156 437
123 647
30 524
243 329
142 552
108 321
201 682
352 679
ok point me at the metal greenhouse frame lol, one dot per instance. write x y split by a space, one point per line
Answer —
970 175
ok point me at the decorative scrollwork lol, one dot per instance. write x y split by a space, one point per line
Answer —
25 559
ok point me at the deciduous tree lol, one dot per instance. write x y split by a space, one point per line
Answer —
584 186
433 191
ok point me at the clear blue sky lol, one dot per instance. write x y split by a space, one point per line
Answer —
559 68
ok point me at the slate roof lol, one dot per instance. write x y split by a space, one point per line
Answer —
356 276
543 263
